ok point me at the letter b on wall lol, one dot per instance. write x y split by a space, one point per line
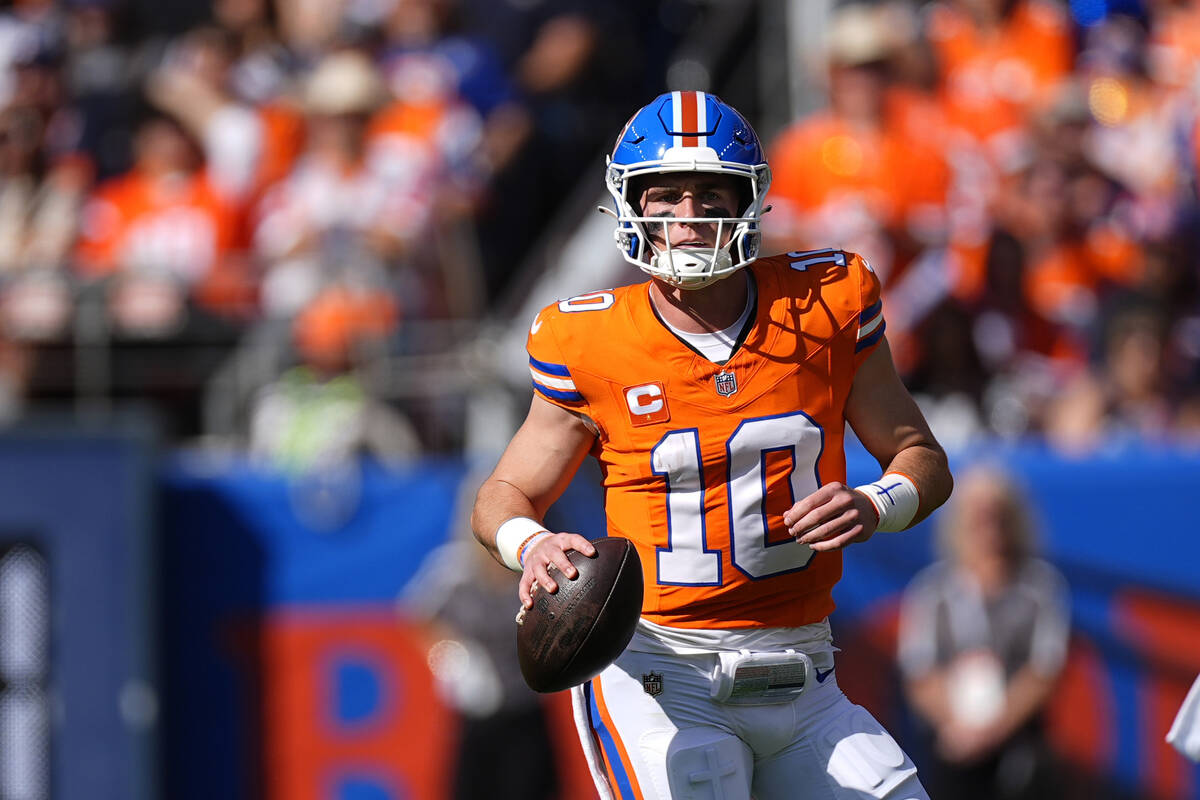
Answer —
350 710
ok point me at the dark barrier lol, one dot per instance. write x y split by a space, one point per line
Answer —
79 701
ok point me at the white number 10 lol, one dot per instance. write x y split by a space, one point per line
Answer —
687 560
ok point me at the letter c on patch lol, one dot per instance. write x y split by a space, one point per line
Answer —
647 404
644 399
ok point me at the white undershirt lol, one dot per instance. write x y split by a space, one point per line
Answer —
717 346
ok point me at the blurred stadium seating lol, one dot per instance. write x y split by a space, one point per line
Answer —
266 268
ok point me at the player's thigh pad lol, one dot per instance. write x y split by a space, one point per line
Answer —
669 744
862 759
705 764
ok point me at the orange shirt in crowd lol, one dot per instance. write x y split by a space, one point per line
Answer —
824 159
1173 49
990 79
419 120
175 225
328 328
1071 273
283 139
442 131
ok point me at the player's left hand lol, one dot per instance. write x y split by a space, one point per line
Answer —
831 518
550 551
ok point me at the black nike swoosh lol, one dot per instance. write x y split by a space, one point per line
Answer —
821 676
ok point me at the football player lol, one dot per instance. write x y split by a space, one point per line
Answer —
715 397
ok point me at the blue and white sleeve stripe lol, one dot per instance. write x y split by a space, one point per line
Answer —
870 326
554 381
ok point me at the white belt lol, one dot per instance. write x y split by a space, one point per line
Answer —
745 678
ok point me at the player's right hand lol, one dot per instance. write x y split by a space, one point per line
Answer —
832 517
550 551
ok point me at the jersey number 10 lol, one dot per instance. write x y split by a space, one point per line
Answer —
687 559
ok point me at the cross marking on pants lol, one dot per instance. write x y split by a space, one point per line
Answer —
715 772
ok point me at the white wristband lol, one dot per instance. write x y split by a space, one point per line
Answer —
511 535
895 498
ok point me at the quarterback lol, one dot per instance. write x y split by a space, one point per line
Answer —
715 397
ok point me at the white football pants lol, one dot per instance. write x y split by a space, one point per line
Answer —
681 745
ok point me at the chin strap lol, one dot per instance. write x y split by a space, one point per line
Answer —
690 268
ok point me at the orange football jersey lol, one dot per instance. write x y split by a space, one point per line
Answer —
181 224
700 460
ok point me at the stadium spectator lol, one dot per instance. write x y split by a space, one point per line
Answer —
346 207
1024 354
322 412
102 73
39 201
1127 395
983 638
249 144
998 60
158 232
449 94
1071 220
30 30
1141 126
429 57
726 360
39 214
859 173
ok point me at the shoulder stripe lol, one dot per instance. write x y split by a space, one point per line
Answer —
565 384
549 368
864 343
866 330
871 311
554 394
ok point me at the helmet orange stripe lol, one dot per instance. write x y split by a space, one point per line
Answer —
689 117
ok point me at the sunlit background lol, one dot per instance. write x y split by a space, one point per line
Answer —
266 273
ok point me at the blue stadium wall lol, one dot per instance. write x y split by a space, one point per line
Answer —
80 714
221 631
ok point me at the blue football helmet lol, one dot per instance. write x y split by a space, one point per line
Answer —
688 132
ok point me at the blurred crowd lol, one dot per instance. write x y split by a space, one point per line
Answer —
342 169
1022 174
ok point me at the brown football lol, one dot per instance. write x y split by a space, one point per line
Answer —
568 637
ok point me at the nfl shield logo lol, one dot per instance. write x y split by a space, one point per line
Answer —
726 383
652 683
